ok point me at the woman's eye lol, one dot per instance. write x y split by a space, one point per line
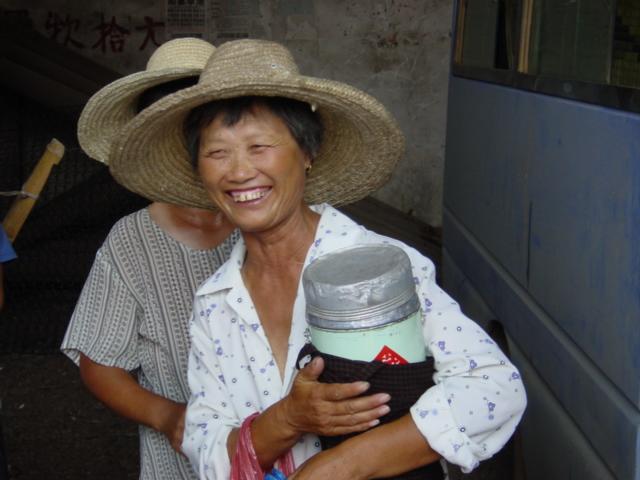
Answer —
259 148
216 154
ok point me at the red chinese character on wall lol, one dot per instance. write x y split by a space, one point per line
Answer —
150 27
55 25
112 33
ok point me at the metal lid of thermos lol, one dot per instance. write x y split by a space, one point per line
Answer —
360 287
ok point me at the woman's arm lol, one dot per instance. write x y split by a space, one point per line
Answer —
214 414
478 397
312 407
382 452
467 416
119 391
476 403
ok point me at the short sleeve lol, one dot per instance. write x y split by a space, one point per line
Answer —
104 324
6 250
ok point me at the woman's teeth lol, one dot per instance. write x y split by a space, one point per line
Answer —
248 196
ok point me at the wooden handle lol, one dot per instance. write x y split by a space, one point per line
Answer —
21 207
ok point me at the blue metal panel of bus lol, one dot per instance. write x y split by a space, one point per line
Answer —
542 214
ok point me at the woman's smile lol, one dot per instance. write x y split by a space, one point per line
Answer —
249 196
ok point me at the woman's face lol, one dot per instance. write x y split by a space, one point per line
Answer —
254 171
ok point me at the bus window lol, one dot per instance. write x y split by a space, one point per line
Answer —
625 62
585 50
572 39
489 30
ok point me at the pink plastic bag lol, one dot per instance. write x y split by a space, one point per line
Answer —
245 465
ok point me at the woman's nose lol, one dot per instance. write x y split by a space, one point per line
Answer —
242 169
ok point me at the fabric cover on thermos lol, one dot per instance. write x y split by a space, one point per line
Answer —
405 383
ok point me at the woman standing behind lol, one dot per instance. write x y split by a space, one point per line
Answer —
128 333
267 144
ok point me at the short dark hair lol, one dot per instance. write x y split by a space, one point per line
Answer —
303 123
155 93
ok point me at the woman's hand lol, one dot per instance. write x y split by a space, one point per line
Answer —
330 409
312 407
119 391
172 424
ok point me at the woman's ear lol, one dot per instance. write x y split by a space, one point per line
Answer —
308 164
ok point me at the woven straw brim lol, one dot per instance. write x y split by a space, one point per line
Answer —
113 106
362 143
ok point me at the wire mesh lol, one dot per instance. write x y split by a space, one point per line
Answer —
69 222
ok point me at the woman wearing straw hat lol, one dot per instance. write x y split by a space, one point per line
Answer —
266 143
133 312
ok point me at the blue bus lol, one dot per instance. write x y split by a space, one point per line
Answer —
541 222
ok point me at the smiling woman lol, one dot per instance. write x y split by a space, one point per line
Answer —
254 126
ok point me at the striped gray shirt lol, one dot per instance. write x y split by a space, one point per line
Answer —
134 313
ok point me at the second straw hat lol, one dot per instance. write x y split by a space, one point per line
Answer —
109 109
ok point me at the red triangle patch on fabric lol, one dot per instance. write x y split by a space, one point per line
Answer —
388 356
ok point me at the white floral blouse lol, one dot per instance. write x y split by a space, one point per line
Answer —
467 416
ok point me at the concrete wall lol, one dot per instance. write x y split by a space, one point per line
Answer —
395 50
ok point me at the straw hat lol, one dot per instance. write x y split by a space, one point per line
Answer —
361 145
113 106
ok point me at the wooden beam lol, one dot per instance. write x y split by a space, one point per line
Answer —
21 206
459 39
525 36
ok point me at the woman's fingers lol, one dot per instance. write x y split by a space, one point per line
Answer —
331 409
331 417
370 403
355 415
335 392
359 422
348 395
313 370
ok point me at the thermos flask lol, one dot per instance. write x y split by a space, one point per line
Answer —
362 305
